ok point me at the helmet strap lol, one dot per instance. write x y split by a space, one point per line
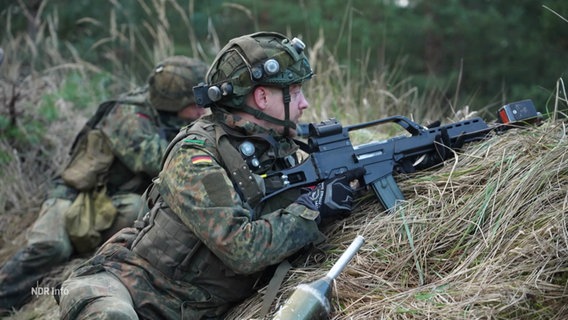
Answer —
286 123
263 116
286 98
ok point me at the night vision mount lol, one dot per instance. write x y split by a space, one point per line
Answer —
206 95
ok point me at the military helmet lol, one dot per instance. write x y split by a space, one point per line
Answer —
172 80
262 58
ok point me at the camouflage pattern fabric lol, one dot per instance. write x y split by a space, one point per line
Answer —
143 283
172 80
239 243
202 195
138 142
106 296
135 141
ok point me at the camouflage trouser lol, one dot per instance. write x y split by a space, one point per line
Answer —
95 296
48 245
116 281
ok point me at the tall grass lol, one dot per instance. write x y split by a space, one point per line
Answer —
48 90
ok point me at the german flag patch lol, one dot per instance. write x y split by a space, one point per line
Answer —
201 160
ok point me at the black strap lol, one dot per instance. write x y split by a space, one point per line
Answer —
286 98
263 116
274 286
303 146
103 109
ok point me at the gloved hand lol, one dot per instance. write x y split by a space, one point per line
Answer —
333 198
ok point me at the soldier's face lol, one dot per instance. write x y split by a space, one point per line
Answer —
276 108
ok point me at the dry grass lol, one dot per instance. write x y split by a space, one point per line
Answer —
483 237
26 174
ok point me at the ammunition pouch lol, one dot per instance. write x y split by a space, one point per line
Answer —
173 250
91 213
166 243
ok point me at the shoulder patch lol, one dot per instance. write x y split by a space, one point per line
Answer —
202 160
194 141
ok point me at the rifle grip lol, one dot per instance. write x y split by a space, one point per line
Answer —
387 191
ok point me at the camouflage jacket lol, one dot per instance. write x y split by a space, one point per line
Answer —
203 248
198 187
138 136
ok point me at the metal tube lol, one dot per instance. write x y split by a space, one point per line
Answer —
311 301
345 257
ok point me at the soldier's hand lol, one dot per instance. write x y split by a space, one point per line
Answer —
333 198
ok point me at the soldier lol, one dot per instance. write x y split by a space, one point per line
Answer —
209 239
113 160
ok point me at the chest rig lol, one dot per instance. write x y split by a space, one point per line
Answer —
246 158
217 143
170 246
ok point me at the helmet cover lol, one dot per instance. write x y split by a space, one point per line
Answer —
172 80
262 58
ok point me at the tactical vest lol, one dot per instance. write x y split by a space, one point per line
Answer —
173 249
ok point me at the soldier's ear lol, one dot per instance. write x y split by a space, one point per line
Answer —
261 97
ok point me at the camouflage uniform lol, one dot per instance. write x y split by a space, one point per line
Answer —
211 247
138 135
210 239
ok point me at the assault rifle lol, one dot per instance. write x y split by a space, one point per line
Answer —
332 153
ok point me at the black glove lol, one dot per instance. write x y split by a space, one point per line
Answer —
333 198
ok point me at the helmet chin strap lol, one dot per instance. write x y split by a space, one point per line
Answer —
286 123
286 98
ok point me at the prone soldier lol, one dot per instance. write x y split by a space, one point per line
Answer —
113 160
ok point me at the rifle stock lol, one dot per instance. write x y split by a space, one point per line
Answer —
332 153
